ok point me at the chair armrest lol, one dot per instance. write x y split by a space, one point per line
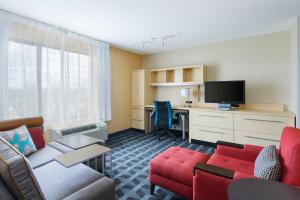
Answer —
242 175
248 152
230 144
218 171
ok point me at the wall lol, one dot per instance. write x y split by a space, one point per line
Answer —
263 61
295 68
122 64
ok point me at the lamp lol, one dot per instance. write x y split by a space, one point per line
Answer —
186 92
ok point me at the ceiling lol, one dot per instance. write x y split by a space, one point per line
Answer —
128 23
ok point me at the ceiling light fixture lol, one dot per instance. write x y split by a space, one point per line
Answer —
161 39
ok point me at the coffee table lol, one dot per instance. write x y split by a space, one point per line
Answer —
85 154
78 141
259 189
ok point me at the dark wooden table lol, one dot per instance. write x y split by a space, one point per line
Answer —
259 189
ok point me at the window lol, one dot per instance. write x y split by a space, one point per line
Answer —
66 90
52 72
22 69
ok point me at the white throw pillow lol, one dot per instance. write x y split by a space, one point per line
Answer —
267 164
20 139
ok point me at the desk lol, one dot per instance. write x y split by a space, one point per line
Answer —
183 114
244 126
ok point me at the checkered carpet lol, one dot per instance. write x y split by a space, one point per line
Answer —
132 152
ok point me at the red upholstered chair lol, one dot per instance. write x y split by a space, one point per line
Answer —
232 161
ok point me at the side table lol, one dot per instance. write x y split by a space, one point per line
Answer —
259 189
85 154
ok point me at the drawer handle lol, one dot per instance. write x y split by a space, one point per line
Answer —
264 120
211 131
262 138
211 116
137 108
138 120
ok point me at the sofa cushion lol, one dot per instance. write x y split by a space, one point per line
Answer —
103 188
177 164
17 173
267 164
37 136
20 139
58 182
231 163
43 156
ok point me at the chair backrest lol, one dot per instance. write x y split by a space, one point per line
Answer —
163 115
289 152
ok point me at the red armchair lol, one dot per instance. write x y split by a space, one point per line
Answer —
233 161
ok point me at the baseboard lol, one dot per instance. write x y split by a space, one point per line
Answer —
210 144
137 130
124 131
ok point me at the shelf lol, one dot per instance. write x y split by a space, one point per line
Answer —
158 76
179 76
170 76
176 84
194 74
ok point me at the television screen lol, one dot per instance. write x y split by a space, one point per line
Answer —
227 92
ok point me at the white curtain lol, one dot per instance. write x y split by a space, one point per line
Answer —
49 71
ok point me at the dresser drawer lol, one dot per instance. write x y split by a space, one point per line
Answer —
262 123
138 124
259 139
210 134
211 119
137 113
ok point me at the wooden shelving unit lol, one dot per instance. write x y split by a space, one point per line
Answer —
179 76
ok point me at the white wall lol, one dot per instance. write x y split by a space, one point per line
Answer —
263 61
295 68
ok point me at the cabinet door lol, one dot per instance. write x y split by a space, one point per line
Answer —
138 78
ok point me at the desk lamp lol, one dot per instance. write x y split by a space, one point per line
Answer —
186 92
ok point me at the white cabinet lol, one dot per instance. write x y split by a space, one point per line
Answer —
240 126
211 126
138 90
260 129
141 95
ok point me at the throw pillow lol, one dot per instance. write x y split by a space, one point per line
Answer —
17 173
20 139
37 136
267 164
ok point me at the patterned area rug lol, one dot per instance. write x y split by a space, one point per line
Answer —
132 152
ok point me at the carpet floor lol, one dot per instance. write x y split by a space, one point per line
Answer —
132 152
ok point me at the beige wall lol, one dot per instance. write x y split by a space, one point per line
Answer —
122 64
295 67
263 61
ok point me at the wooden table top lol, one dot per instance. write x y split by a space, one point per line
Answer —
74 157
77 141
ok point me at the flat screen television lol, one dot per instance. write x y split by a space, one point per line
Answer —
225 92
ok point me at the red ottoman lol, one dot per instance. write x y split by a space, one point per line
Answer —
173 170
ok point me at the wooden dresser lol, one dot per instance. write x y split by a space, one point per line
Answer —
240 126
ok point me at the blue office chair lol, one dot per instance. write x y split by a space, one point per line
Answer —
163 118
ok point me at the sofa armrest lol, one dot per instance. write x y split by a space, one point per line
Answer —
218 171
230 144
